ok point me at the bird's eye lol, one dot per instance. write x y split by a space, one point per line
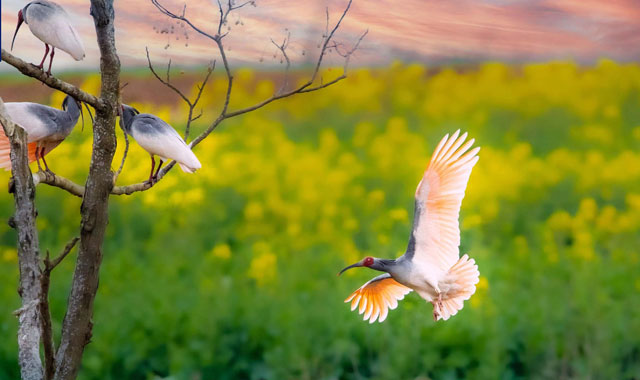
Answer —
368 261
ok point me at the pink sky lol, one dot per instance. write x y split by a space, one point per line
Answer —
429 31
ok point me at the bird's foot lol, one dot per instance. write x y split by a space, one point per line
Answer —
435 313
440 305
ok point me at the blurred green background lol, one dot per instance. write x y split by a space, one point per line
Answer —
230 273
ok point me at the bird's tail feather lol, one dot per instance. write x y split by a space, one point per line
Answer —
463 276
187 169
190 163
5 152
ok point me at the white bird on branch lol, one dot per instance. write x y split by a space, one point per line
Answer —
46 128
432 265
158 138
52 25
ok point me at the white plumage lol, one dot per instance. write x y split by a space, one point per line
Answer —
51 24
167 144
159 139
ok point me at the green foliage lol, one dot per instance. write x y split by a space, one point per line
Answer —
230 273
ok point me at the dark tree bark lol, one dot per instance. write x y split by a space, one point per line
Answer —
24 221
77 325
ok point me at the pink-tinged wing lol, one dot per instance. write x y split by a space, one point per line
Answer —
377 296
436 235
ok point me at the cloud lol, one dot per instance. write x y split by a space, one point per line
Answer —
424 30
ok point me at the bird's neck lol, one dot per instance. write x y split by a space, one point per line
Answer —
73 111
383 265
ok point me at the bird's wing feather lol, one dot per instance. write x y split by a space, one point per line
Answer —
436 235
377 296
39 121
159 138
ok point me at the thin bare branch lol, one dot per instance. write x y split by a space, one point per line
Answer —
182 18
283 50
166 82
126 152
45 313
50 265
190 103
33 71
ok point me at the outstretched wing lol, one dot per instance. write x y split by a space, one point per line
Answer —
377 296
436 235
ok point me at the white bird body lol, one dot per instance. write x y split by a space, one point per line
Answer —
51 24
46 127
160 139
432 265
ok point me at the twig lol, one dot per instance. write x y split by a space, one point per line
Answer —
283 50
126 152
45 313
33 71
191 104
50 265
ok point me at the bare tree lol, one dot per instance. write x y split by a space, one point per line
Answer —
35 327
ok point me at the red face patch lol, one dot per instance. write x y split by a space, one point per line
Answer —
368 261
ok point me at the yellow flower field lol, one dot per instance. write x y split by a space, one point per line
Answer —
229 273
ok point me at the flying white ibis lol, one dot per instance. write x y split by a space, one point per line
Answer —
432 265
46 127
158 138
51 24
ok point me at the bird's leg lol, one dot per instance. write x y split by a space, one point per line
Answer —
153 164
38 158
155 176
41 65
46 167
435 312
53 51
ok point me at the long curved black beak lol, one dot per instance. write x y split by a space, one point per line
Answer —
20 21
358 264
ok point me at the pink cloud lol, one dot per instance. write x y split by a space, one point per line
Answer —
428 30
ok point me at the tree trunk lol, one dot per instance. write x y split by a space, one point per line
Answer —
24 221
77 325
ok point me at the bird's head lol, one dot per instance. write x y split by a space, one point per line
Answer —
127 113
20 21
366 262
69 101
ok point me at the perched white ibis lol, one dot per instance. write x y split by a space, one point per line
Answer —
46 127
432 265
160 139
52 25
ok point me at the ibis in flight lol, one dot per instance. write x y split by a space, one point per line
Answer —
159 139
431 265
46 127
52 25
